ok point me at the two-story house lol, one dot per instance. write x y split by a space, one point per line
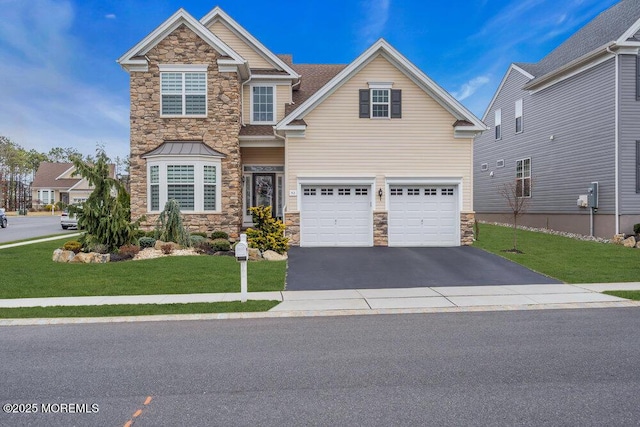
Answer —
560 124
369 153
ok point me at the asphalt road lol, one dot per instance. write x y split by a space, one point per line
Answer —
384 267
26 227
537 368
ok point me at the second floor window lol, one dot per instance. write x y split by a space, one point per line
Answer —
262 104
380 103
498 124
183 93
519 116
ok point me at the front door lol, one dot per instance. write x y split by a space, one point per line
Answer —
264 190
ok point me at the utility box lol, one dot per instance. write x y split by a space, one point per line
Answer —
592 195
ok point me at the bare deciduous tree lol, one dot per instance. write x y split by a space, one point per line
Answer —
514 194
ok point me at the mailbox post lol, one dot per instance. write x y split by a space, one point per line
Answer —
242 254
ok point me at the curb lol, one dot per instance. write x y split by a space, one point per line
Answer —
47 239
298 314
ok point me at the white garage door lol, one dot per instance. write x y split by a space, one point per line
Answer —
423 215
336 215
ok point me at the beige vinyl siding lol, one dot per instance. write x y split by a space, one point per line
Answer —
283 96
420 144
234 42
262 156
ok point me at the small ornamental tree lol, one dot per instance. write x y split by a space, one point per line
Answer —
105 217
268 233
512 192
169 227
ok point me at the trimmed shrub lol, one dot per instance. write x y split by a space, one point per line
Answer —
268 233
219 235
72 245
99 248
48 207
146 242
199 233
204 247
636 228
137 234
196 239
221 245
130 250
151 234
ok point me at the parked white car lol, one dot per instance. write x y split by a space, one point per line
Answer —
68 220
3 219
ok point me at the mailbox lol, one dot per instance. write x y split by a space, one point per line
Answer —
242 249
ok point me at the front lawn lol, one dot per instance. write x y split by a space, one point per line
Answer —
632 295
28 272
566 259
136 309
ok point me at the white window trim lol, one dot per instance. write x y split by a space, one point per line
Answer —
50 196
275 104
198 163
524 177
498 122
519 115
388 103
185 68
380 85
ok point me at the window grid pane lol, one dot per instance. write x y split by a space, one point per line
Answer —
171 83
172 104
155 197
183 194
210 174
180 173
263 103
154 174
209 197
379 103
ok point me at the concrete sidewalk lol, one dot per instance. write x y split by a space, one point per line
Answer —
358 300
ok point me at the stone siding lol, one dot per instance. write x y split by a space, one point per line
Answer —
380 228
467 220
292 222
219 130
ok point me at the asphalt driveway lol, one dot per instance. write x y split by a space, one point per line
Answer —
383 267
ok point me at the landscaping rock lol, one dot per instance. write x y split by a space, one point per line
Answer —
629 242
638 244
81 257
254 254
274 256
618 239
60 255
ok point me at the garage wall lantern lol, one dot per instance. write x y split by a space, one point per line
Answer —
380 193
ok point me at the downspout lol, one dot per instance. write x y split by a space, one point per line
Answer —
242 99
616 139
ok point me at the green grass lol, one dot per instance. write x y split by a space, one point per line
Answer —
28 272
136 309
566 259
632 295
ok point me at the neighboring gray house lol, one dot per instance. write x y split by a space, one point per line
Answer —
571 119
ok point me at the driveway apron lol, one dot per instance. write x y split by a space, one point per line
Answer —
384 267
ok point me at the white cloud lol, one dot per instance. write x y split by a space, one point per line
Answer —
376 15
45 101
110 16
470 87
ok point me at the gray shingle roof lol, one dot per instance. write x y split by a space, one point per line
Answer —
608 26
183 148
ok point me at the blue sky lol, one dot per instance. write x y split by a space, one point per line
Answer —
61 87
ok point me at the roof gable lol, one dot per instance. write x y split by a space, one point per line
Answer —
381 47
218 15
133 59
513 67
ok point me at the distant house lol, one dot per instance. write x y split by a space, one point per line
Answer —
560 124
369 153
54 182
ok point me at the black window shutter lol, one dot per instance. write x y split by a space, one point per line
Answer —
396 103
364 103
